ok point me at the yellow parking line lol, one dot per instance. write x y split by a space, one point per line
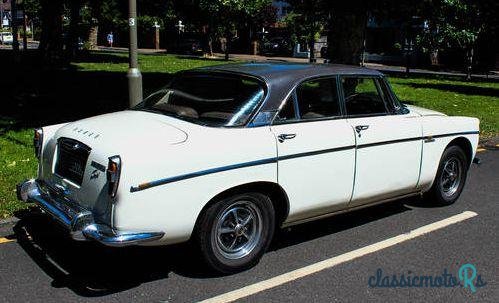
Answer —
5 240
479 150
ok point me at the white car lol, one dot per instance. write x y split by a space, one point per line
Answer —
6 38
224 155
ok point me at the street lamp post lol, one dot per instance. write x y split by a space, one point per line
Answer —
1 20
156 34
134 76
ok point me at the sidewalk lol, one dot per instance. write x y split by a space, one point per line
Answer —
377 66
381 67
416 71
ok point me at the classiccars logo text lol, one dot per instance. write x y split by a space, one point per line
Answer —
467 277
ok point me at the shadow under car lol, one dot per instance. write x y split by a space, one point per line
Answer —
90 269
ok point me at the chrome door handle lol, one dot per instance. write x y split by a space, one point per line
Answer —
360 128
283 137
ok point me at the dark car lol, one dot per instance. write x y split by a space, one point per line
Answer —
190 46
277 46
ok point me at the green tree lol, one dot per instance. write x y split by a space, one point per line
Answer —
307 21
453 24
226 15
348 20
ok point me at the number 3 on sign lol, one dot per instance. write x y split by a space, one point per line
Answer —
131 21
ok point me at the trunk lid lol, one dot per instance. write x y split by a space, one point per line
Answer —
75 159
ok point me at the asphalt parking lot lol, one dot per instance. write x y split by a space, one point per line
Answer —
39 264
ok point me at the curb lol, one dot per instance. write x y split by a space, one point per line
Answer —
489 143
6 226
8 221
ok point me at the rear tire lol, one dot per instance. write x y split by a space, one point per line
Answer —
451 176
234 233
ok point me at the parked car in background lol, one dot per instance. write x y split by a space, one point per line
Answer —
324 52
6 38
190 46
277 46
224 155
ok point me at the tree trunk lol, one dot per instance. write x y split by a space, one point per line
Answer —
227 45
72 42
469 66
15 33
93 33
51 36
434 58
345 38
227 51
311 46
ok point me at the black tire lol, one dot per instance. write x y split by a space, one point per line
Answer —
442 192
215 240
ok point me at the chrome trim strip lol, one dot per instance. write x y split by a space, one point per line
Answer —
314 153
280 158
456 134
389 142
233 166
426 139
201 173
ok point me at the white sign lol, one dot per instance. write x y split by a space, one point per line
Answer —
131 21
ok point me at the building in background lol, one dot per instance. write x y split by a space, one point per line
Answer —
282 9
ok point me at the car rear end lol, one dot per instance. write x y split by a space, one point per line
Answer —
77 185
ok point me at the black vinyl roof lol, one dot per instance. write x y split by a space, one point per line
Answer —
273 70
281 78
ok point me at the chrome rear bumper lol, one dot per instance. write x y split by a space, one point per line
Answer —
78 220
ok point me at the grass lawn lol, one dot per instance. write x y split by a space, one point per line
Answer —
17 161
118 62
455 98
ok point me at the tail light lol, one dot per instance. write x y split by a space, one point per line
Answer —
113 174
38 142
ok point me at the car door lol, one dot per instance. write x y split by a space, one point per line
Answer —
388 143
316 150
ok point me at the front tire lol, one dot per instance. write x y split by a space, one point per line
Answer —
235 232
451 176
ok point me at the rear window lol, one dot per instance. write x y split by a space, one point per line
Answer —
209 99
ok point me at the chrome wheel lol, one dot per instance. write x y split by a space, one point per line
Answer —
238 230
451 176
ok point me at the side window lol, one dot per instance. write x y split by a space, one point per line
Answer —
287 112
318 99
394 102
362 96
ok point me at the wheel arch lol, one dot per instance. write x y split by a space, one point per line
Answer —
275 192
465 144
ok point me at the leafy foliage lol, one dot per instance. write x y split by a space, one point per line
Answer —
227 14
307 20
451 23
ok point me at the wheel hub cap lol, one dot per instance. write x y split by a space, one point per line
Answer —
238 230
451 176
